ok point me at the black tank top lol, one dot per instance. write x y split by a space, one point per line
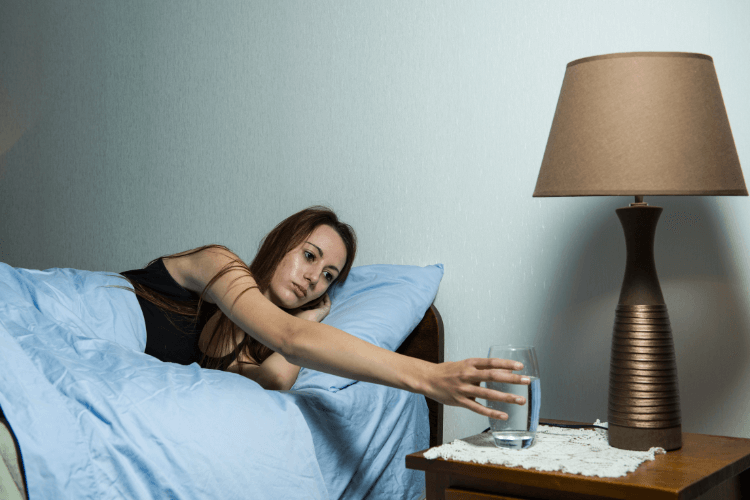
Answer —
178 342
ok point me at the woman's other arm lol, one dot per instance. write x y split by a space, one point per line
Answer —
273 374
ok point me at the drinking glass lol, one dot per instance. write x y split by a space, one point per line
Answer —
519 431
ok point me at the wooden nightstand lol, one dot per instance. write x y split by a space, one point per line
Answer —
706 467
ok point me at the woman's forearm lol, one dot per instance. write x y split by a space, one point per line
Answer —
275 373
325 348
269 379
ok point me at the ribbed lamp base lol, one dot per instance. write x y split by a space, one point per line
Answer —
644 399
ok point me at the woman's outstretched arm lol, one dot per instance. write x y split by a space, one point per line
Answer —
325 348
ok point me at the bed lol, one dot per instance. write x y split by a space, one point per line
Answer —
86 414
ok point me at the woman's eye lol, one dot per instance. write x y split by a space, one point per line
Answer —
309 256
329 277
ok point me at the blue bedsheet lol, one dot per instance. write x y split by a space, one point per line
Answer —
97 418
362 434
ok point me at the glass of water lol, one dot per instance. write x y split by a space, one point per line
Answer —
519 431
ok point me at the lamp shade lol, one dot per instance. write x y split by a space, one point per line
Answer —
637 124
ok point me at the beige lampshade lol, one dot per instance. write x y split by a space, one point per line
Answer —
640 123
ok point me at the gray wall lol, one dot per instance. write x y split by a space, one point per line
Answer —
132 129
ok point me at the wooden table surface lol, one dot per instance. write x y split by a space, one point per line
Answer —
702 463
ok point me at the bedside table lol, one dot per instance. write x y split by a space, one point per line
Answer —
706 467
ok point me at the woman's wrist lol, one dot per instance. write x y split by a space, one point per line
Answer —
416 375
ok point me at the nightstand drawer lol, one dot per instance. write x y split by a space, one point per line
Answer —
458 494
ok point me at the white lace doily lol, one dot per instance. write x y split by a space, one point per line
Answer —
576 451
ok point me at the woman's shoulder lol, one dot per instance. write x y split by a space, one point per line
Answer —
193 269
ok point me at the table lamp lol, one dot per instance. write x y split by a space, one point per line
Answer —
641 124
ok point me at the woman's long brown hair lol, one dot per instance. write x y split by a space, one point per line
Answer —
287 235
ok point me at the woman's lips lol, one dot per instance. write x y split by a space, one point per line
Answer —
299 291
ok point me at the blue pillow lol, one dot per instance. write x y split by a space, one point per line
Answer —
381 304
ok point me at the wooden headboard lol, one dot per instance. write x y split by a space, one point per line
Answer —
426 342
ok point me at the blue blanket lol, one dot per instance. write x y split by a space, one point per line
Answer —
97 418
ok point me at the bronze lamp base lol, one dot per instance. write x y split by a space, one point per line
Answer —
644 400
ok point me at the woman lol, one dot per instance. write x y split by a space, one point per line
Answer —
263 320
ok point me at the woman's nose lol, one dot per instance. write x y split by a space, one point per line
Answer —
311 276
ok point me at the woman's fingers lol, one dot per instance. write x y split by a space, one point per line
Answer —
488 394
496 363
498 370
472 405
487 412
500 397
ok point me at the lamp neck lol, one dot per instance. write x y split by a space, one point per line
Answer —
639 202
640 285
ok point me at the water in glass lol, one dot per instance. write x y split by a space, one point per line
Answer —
519 431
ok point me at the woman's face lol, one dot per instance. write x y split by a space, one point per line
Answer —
306 272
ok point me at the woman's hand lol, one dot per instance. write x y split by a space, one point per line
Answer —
457 384
315 311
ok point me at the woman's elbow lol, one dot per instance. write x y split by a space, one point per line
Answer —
270 385
288 339
275 383
282 385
